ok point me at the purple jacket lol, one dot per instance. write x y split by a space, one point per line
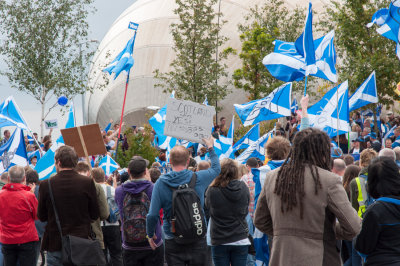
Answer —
135 187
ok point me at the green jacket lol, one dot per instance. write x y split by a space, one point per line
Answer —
104 213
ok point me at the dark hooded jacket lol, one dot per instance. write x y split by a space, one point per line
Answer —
136 187
228 210
379 239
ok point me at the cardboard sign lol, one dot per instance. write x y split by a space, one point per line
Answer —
86 140
188 120
51 124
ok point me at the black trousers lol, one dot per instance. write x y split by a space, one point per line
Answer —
112 244
25 254
144 257
193 254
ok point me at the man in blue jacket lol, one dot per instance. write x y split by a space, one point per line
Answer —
178 254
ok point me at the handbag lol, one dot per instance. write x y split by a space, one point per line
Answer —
77 250
252 249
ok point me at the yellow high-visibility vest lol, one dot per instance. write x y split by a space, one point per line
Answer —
362 195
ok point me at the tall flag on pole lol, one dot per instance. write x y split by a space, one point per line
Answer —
276 104
365 94
391 27
247 140
45 166
286 64
325 113
108 165
305 44
223 145
124 60
13 152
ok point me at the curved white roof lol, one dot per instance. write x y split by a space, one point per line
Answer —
153 50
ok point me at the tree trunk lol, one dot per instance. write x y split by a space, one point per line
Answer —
43 103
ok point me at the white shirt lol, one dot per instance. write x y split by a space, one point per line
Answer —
104 186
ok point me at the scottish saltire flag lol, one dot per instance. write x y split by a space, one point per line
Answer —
391 27
10 115
294 106
13 152
247 140
365 94
367 113
124 60
34 153
31 140
223 145
157 121
305 45
256 149
389 134
45 166
276 104
108 165
287 65
205 101
324 114
379 17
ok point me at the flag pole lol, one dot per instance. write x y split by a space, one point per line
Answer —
305 87
122 114
337 112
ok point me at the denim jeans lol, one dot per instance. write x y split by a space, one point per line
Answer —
112 244
22 253
54 258
144 257
185 254
225 255
1 255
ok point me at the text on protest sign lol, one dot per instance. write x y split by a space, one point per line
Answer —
51 124
188 120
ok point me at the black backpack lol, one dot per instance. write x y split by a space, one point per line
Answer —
187 218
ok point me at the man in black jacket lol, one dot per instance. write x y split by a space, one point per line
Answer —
76 203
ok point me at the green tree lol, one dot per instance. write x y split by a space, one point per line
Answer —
197 38
262 26
362 50
138 144
46 47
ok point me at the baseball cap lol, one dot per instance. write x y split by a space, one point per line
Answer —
137 165
359 139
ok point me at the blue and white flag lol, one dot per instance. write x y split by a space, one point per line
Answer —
108 165
287 65
157 121
305 45
247 140
276 104
10 115
31 140
294 106
13 152
389 134
223 145
391 27
332 111
256 149
379 17
365 94
34 154
205 101
124 60
45 166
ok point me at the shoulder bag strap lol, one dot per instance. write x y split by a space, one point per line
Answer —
192 182
54 208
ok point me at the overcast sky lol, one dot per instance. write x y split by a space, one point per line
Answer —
100 22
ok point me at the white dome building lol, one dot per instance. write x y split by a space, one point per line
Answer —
153 50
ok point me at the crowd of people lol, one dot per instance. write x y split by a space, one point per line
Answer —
313 201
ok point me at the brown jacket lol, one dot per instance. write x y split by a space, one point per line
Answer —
311 240
76 202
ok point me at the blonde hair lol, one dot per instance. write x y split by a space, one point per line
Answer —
367 156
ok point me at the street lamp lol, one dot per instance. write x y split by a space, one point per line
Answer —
83 94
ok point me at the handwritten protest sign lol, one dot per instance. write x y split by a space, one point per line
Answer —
51 124
188 120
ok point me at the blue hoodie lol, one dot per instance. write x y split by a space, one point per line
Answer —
162 194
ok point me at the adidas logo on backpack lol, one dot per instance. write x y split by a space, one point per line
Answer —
187 222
